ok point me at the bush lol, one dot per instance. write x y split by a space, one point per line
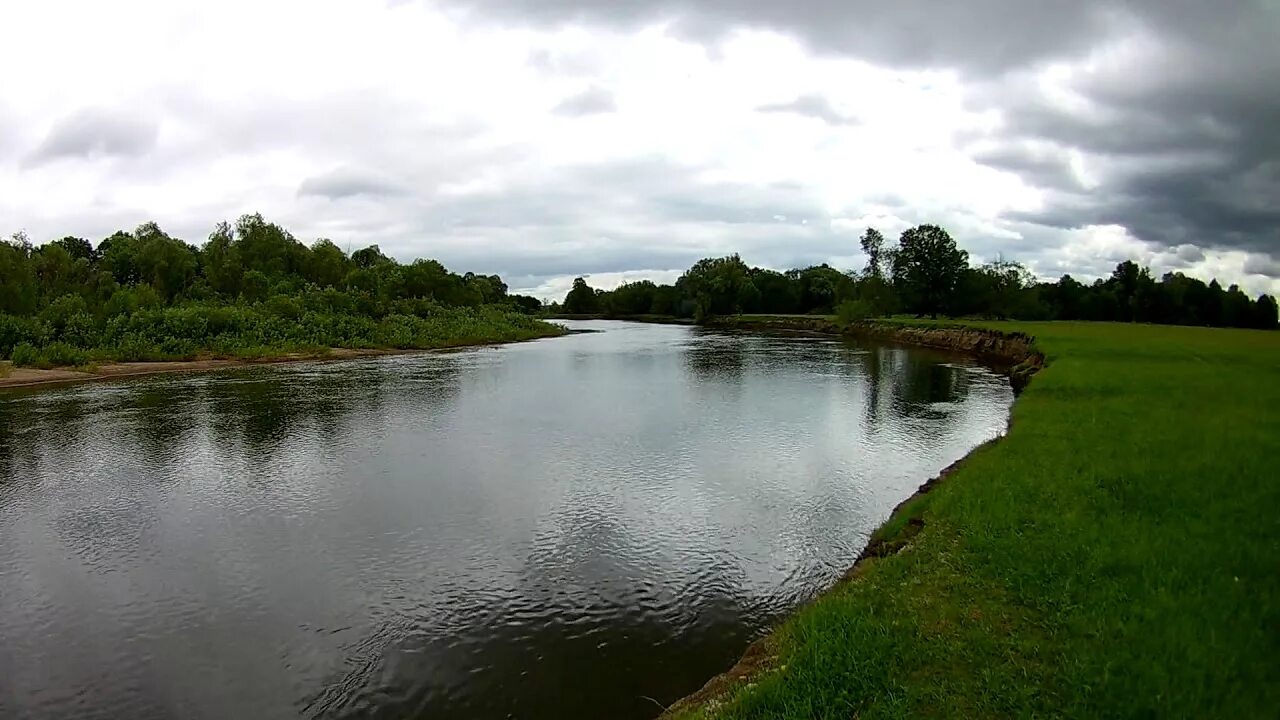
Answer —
852 311
25 355
60 354
16 330
62 310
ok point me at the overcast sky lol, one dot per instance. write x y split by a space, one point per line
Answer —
543 139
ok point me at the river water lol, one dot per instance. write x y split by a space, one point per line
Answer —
580 527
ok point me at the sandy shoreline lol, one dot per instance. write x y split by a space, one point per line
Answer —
21 377
26 377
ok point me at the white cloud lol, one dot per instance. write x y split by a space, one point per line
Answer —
540 152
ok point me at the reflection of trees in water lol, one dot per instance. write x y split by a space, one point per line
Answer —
716 357
905 385
33 427
163 419
15 451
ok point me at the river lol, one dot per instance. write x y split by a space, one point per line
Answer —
579 527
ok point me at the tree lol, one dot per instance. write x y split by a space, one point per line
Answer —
17 279
634 298
328 265
369 257
58 273
927 267
220 262
77 248
718 286
526 304
1264 313
873 248
168 264
779 293
582 299
269 248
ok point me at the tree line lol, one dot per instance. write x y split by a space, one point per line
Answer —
251 289
925 273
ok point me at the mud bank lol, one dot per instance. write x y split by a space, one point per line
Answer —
1011 353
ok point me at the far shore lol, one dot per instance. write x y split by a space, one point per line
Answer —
12 377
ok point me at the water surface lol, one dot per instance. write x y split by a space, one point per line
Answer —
579 527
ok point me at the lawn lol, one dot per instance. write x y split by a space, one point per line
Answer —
1116 555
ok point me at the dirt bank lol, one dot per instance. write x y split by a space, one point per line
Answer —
1011 353
20 377
15 377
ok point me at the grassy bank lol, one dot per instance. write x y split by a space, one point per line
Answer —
1116 555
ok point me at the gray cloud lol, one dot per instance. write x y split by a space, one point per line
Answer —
1262 265
349 182
1189 254
983 34
1190 123
1046 168
96 133
592 101
814 106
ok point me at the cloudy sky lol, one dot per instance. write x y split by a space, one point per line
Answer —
543 139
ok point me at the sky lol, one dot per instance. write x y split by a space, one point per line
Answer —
626 139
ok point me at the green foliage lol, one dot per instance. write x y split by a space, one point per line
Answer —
852 311
58 354
927 269
18 290
25 354
718 286
582 299
252 290
873 247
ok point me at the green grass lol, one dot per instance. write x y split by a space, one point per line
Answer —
1116 555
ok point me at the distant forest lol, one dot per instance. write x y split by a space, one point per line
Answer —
926 274
251 290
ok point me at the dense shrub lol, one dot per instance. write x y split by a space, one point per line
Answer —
25 355
851 311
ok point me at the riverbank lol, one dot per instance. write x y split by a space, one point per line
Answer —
1104 559
12 377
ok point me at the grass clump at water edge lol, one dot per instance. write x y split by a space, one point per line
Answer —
1115 555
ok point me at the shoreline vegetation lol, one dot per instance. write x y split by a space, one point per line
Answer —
252 292
1105 558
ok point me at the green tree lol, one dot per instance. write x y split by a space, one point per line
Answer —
220 262
582 299
17 279
369 257
328 265
873 247
77 248
167 264
269 248
717 286
927 267
58 273
117 256
1264 313
779 293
